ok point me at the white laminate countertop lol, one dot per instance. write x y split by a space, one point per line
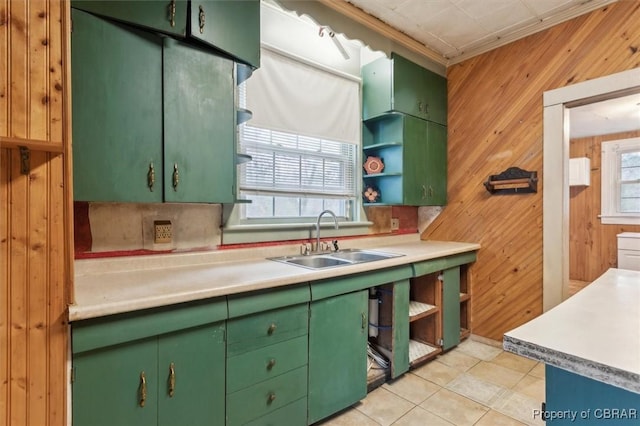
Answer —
110 286
594 333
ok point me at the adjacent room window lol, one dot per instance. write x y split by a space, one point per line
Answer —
620 202
303 140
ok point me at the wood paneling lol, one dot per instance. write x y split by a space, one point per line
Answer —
495 122
34 226
593 247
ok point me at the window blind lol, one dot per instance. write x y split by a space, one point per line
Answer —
286 163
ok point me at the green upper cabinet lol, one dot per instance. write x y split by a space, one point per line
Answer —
166 16
414 153
230 26
153 119
117 111
399 85
199 125
233 26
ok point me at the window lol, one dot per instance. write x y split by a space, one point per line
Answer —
303 141
620 196
293 176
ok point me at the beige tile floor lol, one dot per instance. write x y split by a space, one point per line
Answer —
473 384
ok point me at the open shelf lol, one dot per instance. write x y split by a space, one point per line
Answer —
381 145
420 352
418 310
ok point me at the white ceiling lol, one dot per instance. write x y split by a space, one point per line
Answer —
605 117
459 29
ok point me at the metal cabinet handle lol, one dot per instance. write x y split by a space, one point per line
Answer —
201 19
271 329
420 106
424 191
271 397
151 177
430 191
176 176
172 13
143 389
364 320
271 364
172 379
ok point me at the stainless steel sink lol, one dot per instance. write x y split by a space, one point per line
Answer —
335 259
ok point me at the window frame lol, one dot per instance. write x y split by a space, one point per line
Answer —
610 184
239 230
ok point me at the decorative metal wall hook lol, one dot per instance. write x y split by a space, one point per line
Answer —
514 180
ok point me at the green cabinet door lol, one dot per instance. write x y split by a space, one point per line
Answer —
425 163
232 26
199 129
116 385
397 84
167 16
117 111
415 162
451 308
338 332
191 377
436 165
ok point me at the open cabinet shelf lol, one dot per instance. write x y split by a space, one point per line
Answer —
420 352
419 310
425 318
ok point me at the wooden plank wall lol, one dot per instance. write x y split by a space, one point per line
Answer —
495 122
593 247
34 248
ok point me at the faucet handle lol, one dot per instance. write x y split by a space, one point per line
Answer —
305 249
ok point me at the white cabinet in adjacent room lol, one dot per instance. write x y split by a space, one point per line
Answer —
629 251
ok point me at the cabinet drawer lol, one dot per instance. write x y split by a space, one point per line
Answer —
629 259
629 241
266 397
294 414
261 364
267 328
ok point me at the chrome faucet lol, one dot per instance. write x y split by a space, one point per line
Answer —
335 221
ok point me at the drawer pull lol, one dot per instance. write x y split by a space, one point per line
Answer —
271 329
172 380
271 364
271 397
143 389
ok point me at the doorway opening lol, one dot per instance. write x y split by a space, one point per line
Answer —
556 135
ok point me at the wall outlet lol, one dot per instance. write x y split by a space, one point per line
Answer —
395 224
162 231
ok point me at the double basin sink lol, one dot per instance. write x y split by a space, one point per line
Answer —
335 259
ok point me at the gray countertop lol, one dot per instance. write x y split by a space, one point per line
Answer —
595 333
111 286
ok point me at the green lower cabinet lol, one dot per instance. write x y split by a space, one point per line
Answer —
108 385
191 377
338 329
177 378
263 398
450 308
